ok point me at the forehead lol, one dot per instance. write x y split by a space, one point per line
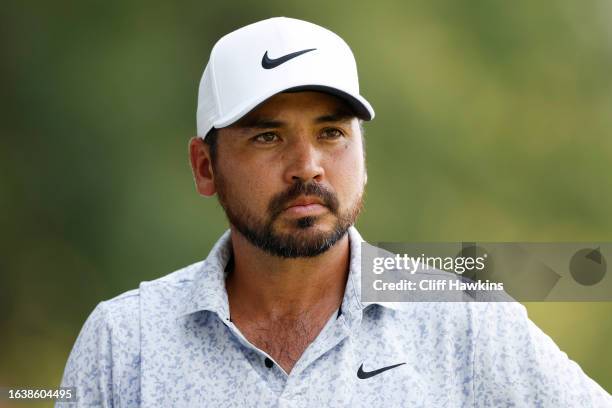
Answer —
306 105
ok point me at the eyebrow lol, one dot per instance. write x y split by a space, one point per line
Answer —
261 122
339 115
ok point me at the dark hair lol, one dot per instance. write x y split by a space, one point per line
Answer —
211 141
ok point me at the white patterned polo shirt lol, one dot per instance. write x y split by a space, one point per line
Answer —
170 343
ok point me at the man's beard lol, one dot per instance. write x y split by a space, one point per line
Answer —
262 234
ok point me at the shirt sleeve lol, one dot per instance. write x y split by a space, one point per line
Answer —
516 364
90 364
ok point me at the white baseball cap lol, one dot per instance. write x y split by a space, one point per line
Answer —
255 62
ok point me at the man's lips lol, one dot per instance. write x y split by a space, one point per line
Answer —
303 201
305 206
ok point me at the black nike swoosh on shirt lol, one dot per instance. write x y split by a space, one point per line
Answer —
269 63
362 375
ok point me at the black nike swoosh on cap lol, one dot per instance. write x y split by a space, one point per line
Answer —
362 375
269 63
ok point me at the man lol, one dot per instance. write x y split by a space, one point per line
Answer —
273 316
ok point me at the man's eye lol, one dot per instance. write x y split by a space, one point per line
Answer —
268 137
332 133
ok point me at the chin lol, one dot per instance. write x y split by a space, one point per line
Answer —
308 224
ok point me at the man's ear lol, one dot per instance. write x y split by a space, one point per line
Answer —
201 166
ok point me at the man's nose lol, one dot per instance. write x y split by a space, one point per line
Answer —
304 163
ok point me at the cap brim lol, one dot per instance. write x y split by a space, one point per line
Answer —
360 106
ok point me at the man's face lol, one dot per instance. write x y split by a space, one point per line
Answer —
290 175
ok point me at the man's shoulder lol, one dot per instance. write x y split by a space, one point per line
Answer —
460 320
175 285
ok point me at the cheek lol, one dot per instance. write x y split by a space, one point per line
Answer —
249 183
347 173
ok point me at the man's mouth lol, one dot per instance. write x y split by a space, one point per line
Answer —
305 206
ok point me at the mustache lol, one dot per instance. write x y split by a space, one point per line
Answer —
280 201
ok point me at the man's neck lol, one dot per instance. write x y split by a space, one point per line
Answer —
262 286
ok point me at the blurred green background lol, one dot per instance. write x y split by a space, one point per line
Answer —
493 124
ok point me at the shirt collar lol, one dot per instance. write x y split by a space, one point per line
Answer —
208 291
